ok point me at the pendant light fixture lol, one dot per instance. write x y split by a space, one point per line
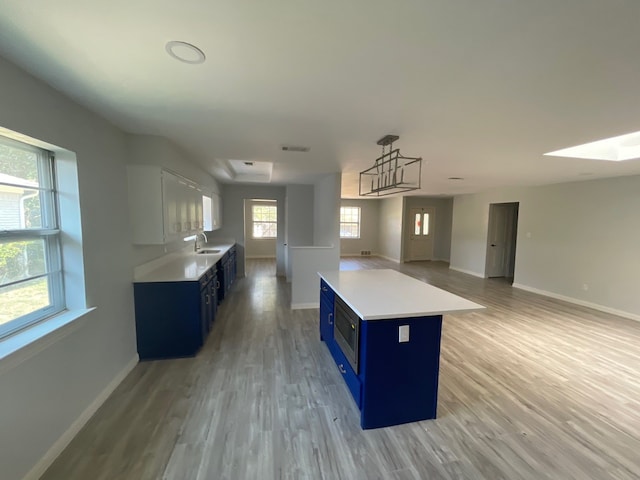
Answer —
391 172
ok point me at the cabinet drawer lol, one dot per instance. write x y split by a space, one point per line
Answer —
326 293
349 376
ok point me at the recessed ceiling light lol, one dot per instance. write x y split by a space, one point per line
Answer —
185 52
615 149
456 178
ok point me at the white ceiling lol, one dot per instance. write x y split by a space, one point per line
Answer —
479 89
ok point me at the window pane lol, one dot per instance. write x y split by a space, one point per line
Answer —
350 222
22 208
21 259
18 165
425 224
265 230
349 230
23 298
416 224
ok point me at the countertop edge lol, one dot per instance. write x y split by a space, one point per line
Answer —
155 277
401 315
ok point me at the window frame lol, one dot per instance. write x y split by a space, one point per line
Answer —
358 223
272 223
49 232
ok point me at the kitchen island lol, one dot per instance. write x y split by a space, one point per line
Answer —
383 330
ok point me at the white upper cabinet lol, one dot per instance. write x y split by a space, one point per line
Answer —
216 212
164 207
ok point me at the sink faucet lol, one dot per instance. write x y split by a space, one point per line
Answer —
195 246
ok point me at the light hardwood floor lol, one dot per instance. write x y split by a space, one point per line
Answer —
531 388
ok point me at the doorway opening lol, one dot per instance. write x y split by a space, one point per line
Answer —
501 240
261 236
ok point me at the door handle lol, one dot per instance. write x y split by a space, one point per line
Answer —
341 368
493 244
330 322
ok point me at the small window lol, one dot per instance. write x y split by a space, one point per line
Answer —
349 222
421 224
265 221
30 266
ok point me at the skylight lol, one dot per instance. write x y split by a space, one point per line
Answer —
615 149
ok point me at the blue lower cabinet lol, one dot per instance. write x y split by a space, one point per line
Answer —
396 382
169 320
351 379
400 380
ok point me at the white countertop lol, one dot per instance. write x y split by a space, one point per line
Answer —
183 266
384 294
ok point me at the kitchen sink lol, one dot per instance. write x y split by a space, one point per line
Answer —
207 251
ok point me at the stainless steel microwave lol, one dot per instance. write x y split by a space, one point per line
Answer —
347 332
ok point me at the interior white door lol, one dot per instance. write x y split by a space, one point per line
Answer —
497 240
420 230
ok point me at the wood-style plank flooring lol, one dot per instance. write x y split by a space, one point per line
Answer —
531 388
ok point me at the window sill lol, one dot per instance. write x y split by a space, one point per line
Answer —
23 345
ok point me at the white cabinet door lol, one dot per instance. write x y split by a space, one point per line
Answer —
170 194
199 214
216 211
145 204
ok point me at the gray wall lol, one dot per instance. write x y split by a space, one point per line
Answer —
443 220
326 212
569 235
299 219
233 197
390 228
44 394
369 227
256 247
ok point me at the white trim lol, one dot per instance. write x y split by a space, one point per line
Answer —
396 260
259 256
583 303
23 345
468 272
56 449
302 306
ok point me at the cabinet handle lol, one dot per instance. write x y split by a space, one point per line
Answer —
207 299
324 289
341 367
330 321
217 284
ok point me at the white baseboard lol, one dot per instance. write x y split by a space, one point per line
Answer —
396 260
56 449
576 301
302 306
468 272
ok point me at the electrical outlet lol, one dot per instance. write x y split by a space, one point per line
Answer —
403 333
585 287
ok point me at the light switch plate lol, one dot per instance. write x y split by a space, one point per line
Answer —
403 333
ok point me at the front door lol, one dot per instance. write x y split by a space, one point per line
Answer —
421 233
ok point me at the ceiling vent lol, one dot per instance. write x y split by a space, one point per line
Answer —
295 148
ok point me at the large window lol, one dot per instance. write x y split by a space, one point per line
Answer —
349 222
265 221
30 270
